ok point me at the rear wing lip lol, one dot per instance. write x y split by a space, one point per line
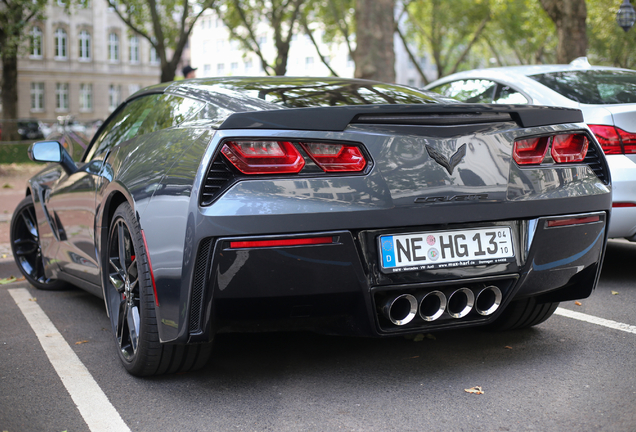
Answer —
337 118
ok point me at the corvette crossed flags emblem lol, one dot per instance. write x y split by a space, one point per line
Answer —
451 163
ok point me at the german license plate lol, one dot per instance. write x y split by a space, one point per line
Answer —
446 249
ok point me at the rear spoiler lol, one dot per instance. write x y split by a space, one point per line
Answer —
337 118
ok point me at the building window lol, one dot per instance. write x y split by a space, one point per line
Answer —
113 96
248 65
61 97
86 97
134 49
37 97
207 70
60 44
113 47
234 67
84 45
309 62
220 69
36 42
154 58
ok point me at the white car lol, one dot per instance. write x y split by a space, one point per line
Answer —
607 97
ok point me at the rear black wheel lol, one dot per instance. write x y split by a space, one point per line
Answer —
26 248
132 306
523 313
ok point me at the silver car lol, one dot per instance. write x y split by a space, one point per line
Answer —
607 97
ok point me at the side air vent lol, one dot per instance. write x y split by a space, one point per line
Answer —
198 286
450 119
218 176
596 163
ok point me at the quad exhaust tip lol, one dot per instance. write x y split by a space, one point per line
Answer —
488 300
400 310
432 305
403 308
460 303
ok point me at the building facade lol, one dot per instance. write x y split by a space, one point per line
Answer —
82 63
215 55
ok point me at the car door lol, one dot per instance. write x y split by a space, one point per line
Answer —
72 203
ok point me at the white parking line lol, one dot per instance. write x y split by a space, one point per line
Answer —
92 403
595 320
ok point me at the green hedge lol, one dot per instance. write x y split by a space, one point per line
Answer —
14 153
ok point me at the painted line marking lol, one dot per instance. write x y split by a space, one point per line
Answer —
595 320
98 413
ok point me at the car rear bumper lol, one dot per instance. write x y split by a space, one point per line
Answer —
623 171
339 288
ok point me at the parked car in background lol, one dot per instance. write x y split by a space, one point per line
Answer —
335 205
30 129
605 95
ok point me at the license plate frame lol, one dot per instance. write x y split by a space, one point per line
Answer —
432 250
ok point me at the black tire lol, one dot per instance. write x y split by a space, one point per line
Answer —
523 313
132 306
25 245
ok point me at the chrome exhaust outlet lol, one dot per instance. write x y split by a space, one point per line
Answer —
460 303
488 300
400 310
432 305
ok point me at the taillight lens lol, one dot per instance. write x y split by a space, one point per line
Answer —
335 157
281 242
530 151
264 157
569 148
615 140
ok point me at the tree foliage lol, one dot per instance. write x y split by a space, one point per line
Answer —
166 24
16 16
608 43
242 17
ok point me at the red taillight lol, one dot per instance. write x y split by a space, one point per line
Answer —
623 204
615 140
263 157
573 221
569 148
530 151
281 242
336 157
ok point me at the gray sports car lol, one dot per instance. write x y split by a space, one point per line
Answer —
334 205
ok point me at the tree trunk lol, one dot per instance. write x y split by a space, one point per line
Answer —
374 55
10 96
569 17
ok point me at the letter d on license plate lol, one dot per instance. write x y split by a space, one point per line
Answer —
446 249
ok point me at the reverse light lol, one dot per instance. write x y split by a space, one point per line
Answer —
335 157
530 151
614 140
281 242
264 157
569 147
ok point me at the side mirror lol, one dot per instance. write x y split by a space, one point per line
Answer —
52 151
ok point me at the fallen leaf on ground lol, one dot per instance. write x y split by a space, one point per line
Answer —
7 186
81 342
20 279
430 336
508 347
418 338
4 255
614 292
475 390
33 299
578 303
7 280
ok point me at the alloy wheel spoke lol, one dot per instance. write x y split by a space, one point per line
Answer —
25 246
29 223
121 324
121 247
133 326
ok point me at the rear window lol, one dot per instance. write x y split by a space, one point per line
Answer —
299 92
592 86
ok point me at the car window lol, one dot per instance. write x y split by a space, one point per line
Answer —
469 90
507 95
592 86
141 116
